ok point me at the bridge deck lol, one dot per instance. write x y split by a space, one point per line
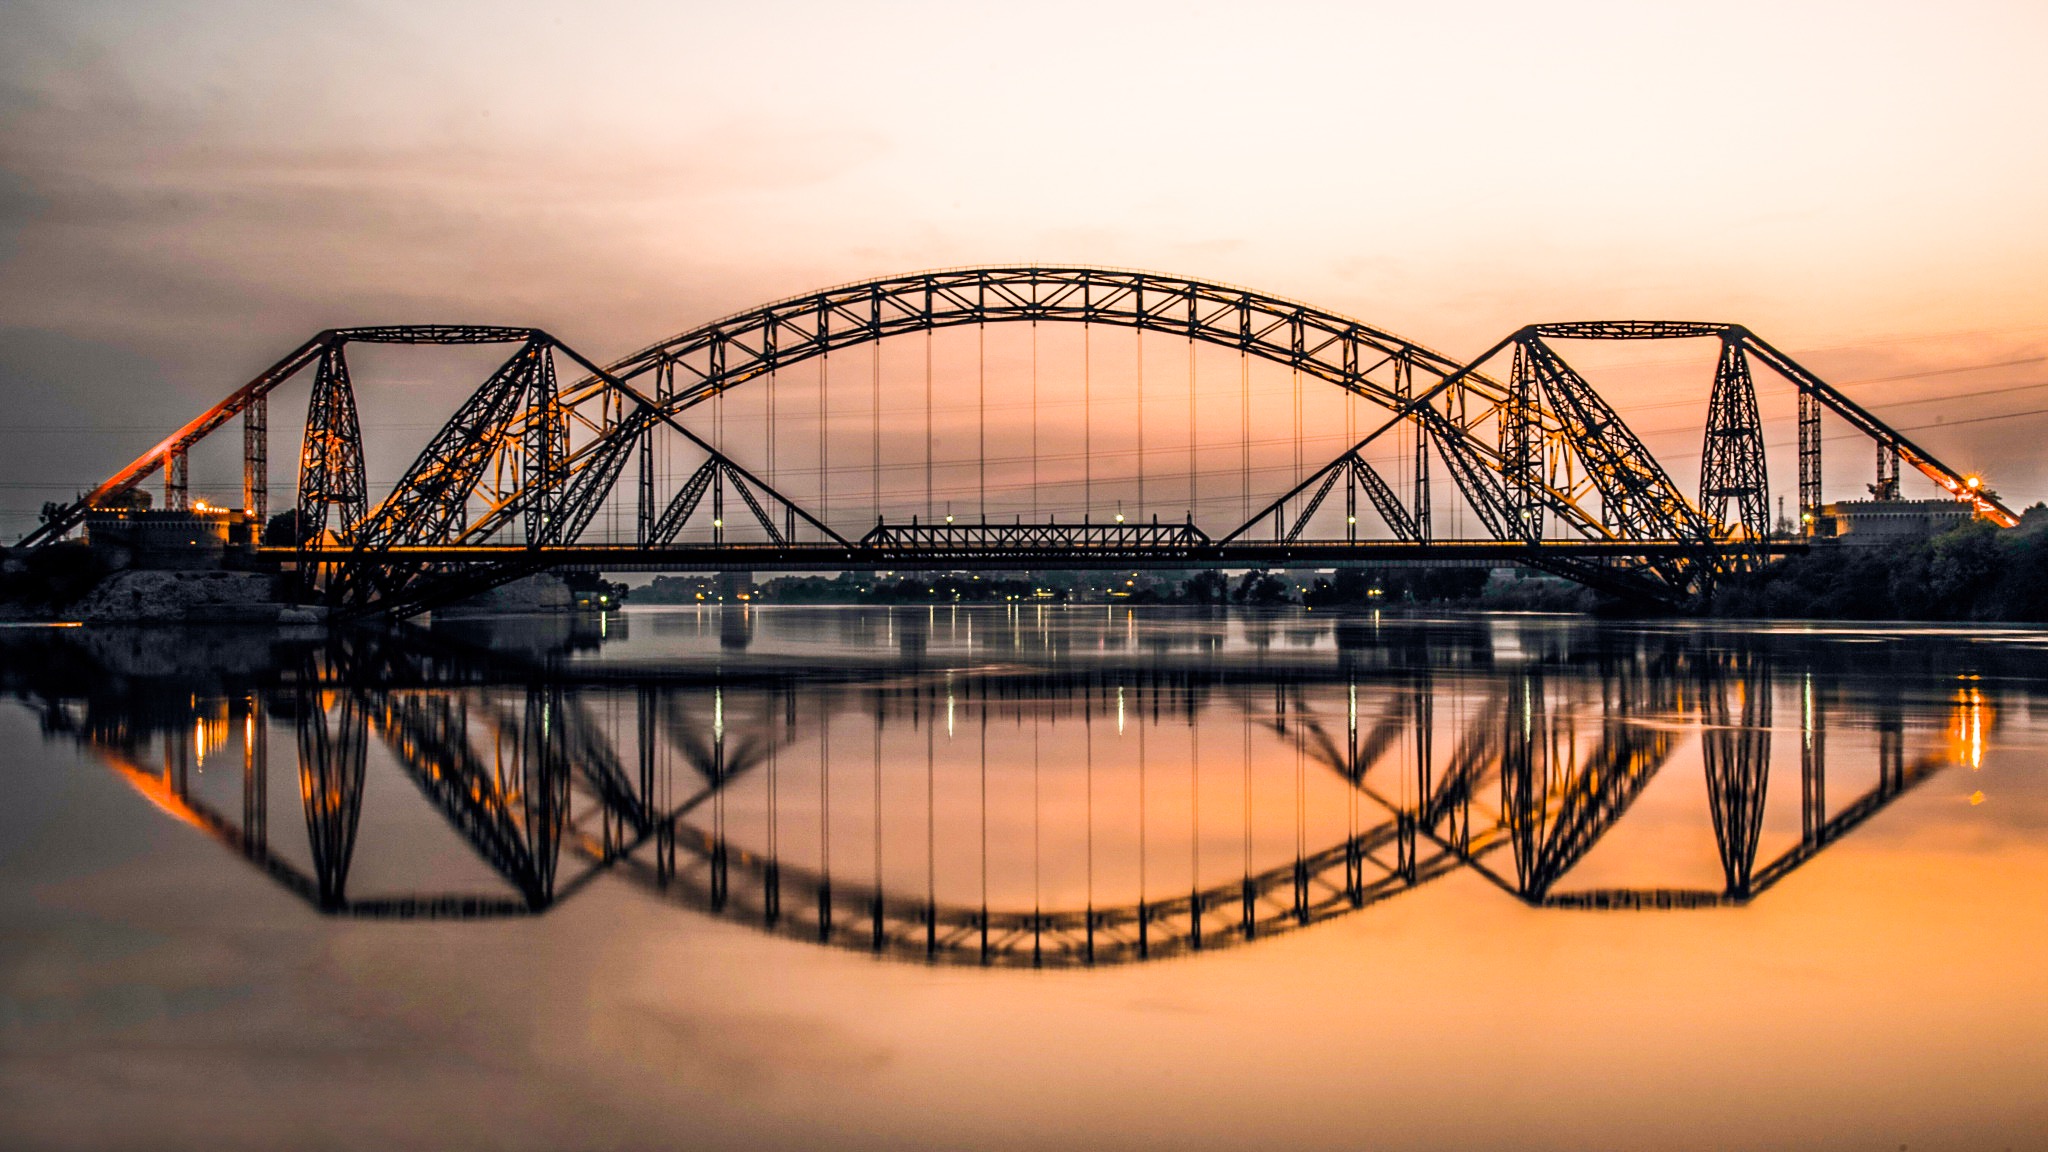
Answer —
755 557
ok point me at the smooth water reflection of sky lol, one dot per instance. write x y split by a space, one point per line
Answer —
158 991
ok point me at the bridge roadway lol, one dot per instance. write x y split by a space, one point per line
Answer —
941 556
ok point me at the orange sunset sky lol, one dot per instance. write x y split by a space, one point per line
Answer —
187 191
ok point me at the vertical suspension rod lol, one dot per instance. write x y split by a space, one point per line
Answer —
1192 501
1034 420
875 423
928 424
1087 423
643 512
1244 428
981 419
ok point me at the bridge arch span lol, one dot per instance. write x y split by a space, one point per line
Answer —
734 349
1395 374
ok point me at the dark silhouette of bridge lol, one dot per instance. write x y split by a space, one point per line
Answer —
514 481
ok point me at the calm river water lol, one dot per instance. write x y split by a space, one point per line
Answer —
1025 877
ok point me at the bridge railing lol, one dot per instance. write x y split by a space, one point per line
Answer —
1116 536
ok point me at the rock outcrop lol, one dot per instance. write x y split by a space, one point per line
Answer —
157 597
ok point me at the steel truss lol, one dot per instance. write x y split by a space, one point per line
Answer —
937 542
528 460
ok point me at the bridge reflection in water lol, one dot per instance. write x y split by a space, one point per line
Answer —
1035 808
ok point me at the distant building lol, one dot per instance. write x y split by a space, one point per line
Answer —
1876 522
163 538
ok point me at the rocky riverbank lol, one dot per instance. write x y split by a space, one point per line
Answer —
68 582
142 596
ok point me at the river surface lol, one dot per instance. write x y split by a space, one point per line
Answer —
1025 877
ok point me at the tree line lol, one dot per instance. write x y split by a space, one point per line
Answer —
1973 571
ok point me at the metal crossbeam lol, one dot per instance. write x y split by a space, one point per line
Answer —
683 504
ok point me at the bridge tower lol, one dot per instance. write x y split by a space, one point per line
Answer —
1733 461
331 455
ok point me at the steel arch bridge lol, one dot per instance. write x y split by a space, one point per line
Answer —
513 480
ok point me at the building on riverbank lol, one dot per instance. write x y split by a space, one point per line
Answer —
195 538
1871 523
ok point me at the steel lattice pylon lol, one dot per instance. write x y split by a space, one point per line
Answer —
1733 466
331 457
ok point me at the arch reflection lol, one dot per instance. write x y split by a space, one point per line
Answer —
1029 811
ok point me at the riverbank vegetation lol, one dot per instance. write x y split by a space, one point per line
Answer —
1971 572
